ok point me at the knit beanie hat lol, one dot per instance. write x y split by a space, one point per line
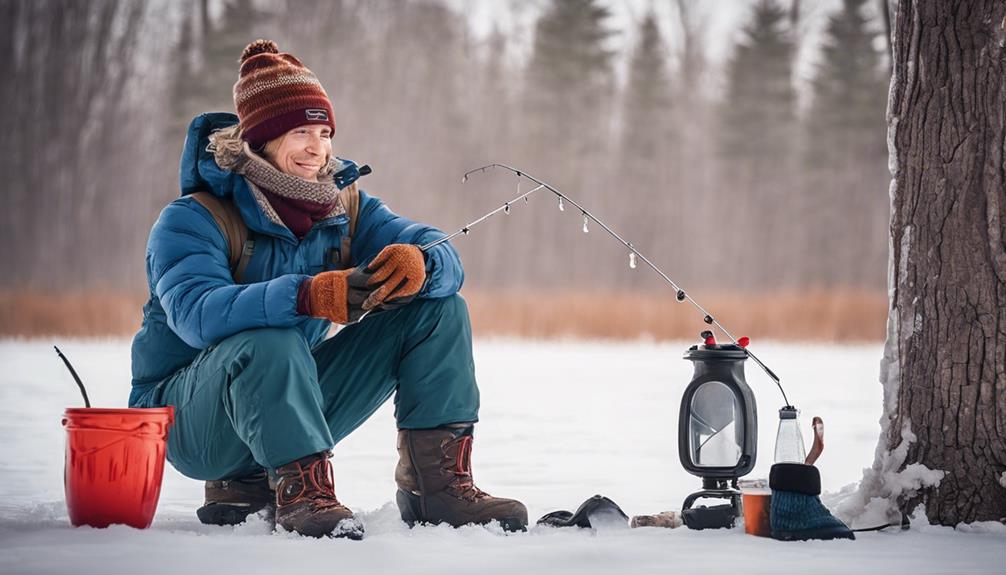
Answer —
276 93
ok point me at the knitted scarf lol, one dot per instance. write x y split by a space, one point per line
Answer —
285 199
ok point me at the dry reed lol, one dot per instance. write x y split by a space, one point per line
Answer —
814 315
811 315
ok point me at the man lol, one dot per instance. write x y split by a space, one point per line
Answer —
260 396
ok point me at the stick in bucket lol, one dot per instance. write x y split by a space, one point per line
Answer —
73 372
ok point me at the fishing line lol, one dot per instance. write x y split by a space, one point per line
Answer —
634 254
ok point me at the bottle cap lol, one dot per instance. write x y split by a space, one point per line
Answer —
788 412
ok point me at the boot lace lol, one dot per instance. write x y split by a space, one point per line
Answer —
312 480
464 483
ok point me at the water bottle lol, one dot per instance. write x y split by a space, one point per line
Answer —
789 441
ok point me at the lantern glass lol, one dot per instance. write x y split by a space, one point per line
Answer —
716 426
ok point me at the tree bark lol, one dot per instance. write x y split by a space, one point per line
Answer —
947 328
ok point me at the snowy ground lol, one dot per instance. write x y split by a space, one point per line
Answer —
560 422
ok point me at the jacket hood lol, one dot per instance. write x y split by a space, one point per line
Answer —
199 171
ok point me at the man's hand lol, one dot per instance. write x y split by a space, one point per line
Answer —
339 295
396 276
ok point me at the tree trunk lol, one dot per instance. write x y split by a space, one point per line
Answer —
945 381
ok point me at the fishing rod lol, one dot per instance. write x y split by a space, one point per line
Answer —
682 295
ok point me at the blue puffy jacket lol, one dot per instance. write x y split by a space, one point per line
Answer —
194 302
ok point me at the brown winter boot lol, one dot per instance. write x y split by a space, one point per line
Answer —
231 501
435 485
306 503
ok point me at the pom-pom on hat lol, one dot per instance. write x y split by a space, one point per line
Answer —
276 93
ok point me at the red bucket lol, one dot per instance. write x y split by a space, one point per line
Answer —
114 464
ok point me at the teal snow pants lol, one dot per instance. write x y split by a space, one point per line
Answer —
262 398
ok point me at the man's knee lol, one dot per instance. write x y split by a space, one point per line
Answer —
265 344
269 364
266 349
452 308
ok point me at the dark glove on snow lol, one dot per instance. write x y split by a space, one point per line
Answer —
797 513
598 508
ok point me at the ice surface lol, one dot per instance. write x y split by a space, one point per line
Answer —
561 421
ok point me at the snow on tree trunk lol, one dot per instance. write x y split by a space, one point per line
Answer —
943 432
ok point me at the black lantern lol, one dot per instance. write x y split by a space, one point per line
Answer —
717 431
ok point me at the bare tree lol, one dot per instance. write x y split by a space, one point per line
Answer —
67 65
943 440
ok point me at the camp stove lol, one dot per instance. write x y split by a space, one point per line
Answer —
717 431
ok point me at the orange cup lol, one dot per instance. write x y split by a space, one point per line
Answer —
757 503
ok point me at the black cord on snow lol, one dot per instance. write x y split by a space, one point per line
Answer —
905 525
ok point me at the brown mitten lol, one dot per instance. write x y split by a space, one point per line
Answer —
397 274
338 296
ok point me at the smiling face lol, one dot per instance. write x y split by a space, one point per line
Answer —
302 151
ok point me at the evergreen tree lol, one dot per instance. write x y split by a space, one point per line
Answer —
755 200
240 23
691 56
759 111
570 79
846 153
849 91
200 66
647 107
183 78
569 91
327 35
695 124
648 146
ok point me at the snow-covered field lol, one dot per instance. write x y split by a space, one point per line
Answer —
561 421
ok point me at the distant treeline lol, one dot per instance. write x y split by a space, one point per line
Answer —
720 176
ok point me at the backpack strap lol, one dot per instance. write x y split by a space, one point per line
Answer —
350 198
240 245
